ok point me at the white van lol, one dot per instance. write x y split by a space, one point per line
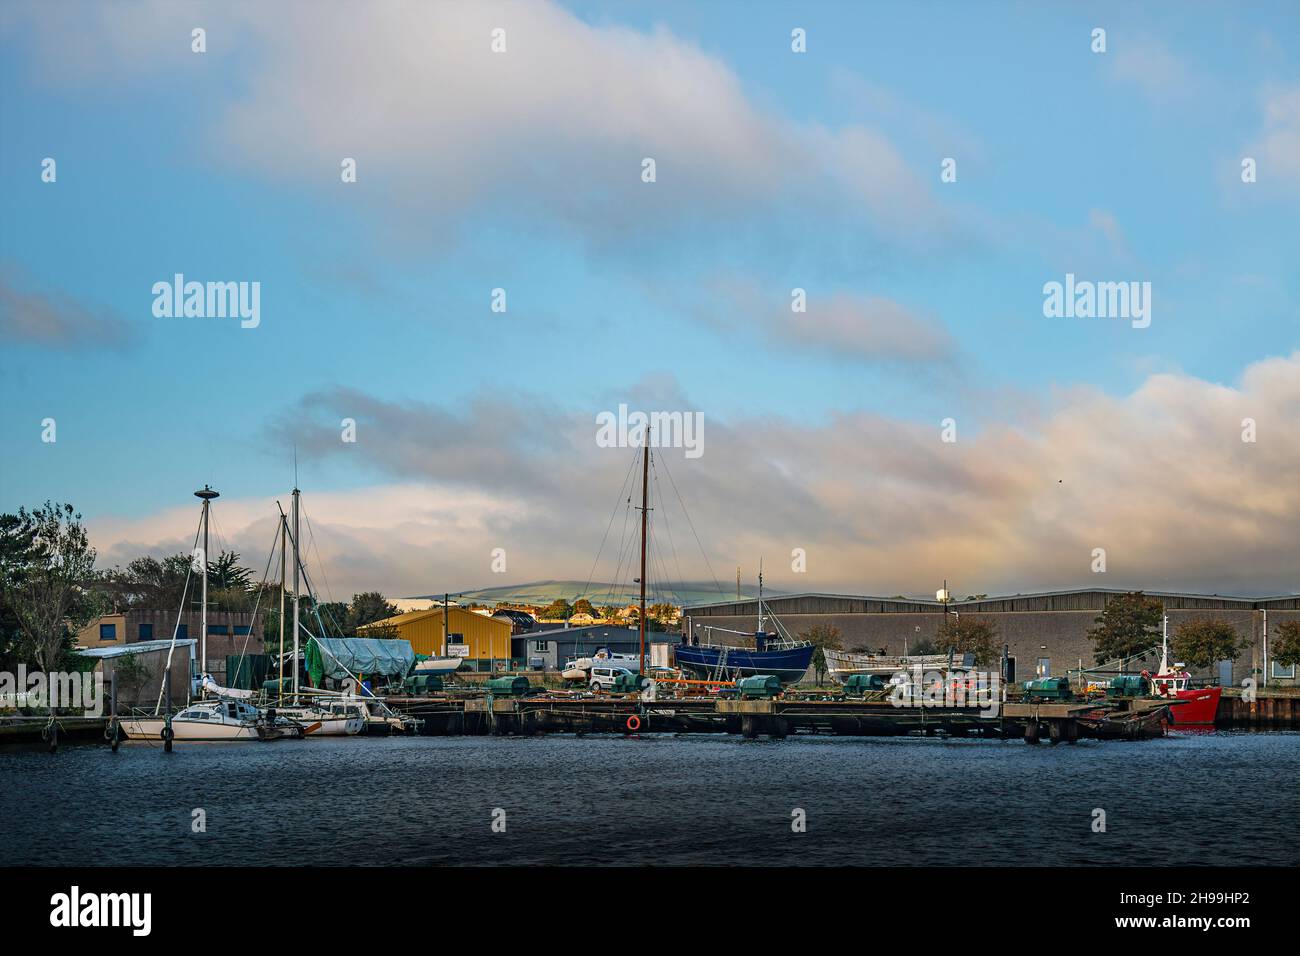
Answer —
602 678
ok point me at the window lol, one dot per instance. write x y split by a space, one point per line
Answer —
108 632
243 629
218 629
1044 668
182 632
541 645
1284 672
146 632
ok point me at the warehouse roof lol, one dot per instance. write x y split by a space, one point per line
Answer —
993 598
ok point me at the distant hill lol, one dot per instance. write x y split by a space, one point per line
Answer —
544 592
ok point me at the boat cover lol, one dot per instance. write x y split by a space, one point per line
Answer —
341 657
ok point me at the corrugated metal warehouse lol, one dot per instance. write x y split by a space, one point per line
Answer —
1046 633
485 640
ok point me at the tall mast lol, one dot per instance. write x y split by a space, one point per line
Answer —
296 565
645 512
284 565
760 595
207 494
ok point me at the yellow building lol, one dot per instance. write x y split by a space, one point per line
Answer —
479 639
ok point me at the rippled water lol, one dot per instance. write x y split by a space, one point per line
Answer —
1216 798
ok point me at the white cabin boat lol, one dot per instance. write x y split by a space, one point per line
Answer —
206 720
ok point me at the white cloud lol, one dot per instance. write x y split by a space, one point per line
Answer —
440 125
1159 478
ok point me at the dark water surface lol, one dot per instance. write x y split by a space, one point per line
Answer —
1217 798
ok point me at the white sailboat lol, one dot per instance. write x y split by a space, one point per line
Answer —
228 717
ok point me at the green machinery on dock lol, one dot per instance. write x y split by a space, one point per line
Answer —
1128 685
758 687
1048 688
509 686
418 685
859 685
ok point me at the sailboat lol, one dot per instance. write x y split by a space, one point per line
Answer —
774 652
229 716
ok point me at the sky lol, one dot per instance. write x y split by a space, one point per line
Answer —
921 171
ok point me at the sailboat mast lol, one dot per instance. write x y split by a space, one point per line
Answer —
760 595
284 566
645 512
207 494
296 565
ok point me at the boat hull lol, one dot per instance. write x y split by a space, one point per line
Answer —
151 728
439 666
1200 708
786 664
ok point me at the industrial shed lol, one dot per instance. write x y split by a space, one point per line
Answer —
1046 632
483 641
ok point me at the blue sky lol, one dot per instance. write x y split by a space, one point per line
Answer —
775 170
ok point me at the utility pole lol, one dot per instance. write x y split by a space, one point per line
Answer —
296 560
645 514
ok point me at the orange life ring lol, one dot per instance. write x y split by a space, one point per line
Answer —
634 722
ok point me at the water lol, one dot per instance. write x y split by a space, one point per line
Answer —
1210 798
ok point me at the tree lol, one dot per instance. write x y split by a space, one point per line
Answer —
47 567
1203 642
557 610
368 607
1128 627
664 613
225 574
583 606
1286 649
131 675
823 636
925 645
962 634
149 583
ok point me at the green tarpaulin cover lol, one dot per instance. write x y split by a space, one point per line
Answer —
340 657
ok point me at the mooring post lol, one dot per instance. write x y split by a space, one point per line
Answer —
167 718
1031 731
112 710
52 732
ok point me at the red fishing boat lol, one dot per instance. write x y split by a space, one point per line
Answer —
1198 706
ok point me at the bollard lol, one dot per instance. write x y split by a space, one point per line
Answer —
112 711
167 720
52 733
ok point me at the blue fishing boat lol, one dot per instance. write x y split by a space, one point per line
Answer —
775 653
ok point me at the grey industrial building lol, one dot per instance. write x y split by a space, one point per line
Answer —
549 647
1046 633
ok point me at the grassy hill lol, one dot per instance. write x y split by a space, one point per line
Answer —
544 592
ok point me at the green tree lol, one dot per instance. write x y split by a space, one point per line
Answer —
1203 642
823 636
1285 650
963 634
368 607
1128 627
559 609
925 645
583 606
131 674
47 573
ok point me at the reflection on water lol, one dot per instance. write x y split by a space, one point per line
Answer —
1213 798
